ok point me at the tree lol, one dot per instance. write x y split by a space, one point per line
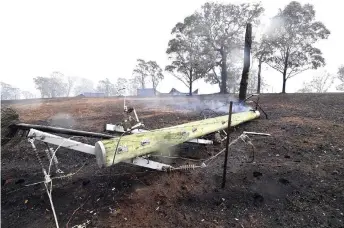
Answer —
155 72
262 52
340 76
305 88
222 26
105 86
52 86
132 87
42 85
27 94
121 86
191 58
58 88
234 70
322 82
247 63
144 71
292 34
83 85
70 84
140 72
8 92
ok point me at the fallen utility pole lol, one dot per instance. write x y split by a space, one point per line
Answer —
227 145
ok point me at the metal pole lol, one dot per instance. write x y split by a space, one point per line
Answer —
227 145
61 130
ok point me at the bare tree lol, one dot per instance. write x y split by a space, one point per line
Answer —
340 76
321 82
305 88
247 62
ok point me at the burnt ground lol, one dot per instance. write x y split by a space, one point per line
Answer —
296 179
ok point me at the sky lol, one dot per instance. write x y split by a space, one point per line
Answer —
102 39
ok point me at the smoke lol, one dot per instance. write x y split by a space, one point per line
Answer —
63 120
217 103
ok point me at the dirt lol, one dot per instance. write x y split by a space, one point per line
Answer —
296 179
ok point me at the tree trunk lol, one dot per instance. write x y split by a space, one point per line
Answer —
190 83
247 59
143 82
259 76
285 70
154 86
224 75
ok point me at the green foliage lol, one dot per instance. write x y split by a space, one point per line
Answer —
144 71
191 57
222 26
292 34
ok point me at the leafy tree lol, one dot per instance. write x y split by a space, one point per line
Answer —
8 92
155 72
144 71
132 87
140 73
340 76
58 88
121 86
27 94
234 69
83 85
105 86
292 34
52 86
70 84
42 85
191 57
262 52
222 26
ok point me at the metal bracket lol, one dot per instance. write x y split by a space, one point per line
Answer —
144 162
60 141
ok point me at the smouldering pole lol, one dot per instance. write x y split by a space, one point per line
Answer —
227 145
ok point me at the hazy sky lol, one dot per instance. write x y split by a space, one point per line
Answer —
99 39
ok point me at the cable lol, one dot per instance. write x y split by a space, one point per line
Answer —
119 139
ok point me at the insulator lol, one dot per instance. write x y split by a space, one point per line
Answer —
187 167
